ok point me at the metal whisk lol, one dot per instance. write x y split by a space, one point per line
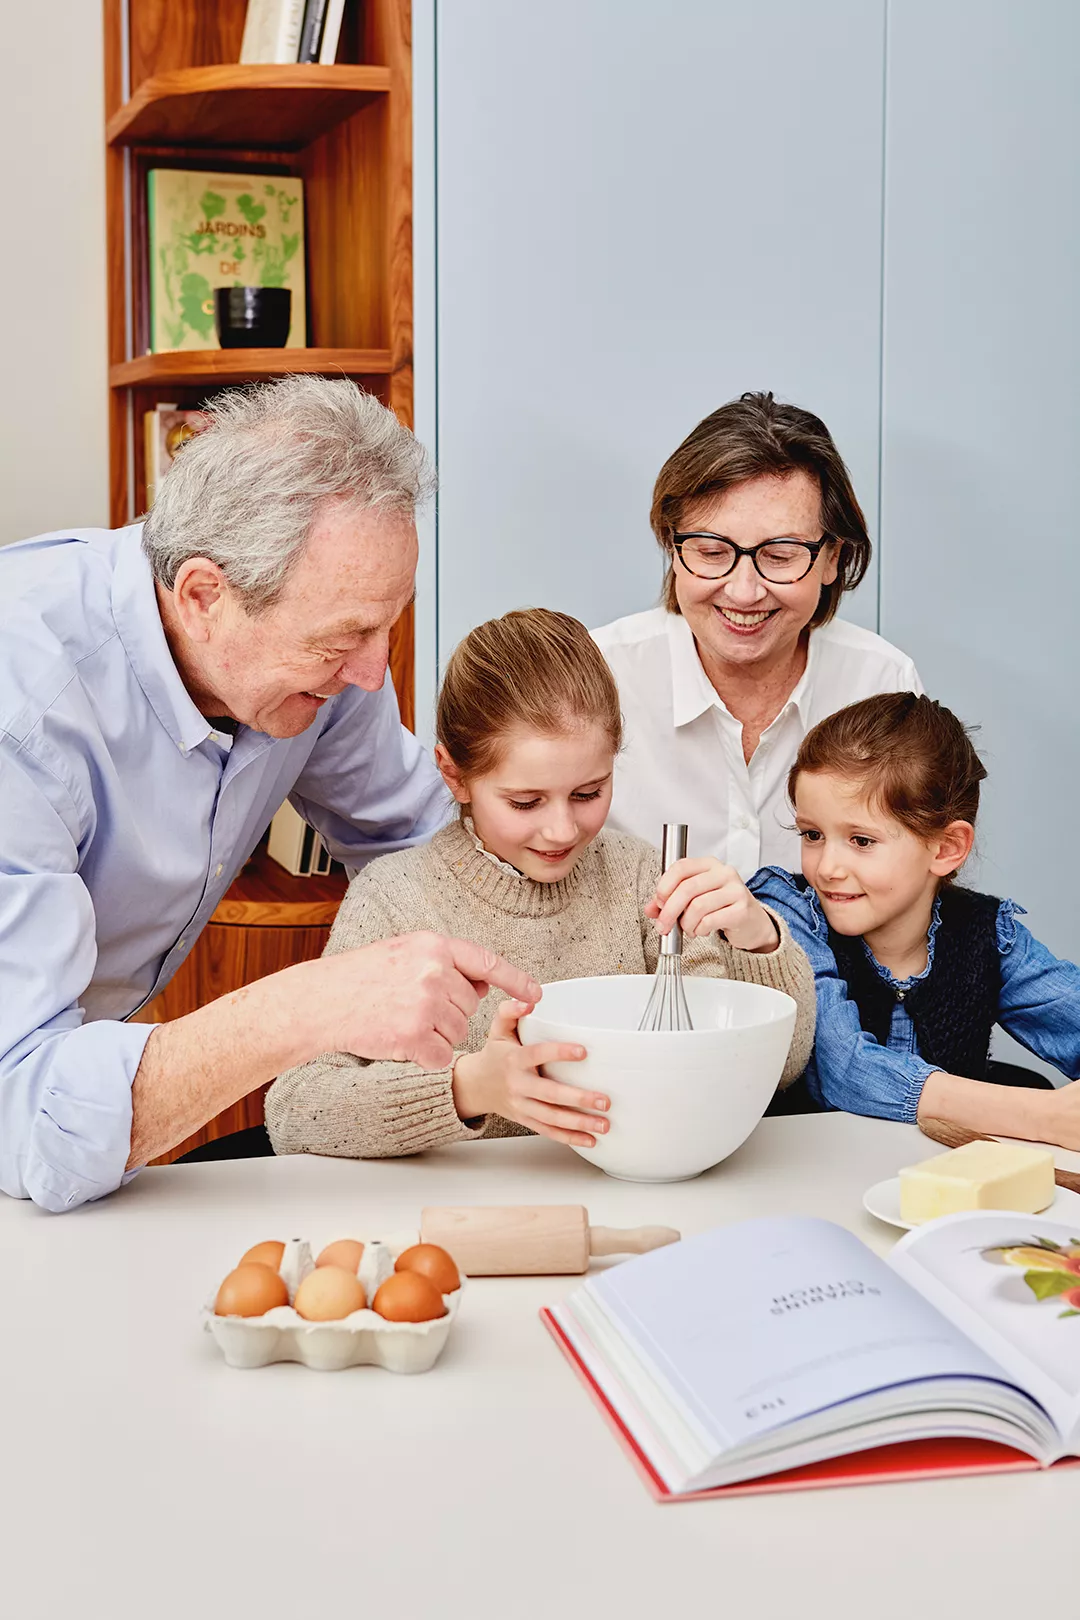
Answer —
667 1007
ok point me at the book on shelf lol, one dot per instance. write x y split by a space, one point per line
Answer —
292 31
296 846
312 32
782 1353
165 430
207 230
272 30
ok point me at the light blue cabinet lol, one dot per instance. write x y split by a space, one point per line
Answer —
642 211
639 211
980 538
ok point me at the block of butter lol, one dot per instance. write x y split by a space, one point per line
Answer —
979 1175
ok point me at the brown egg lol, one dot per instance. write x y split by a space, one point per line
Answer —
408 1297
329 1293
429 1261
346 1253
250 1290
264 1254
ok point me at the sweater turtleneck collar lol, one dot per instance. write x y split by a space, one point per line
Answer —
497 884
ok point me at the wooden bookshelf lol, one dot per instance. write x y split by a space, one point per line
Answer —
265 922
212 368
177 95
244 105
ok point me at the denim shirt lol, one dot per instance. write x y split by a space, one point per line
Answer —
1039 1006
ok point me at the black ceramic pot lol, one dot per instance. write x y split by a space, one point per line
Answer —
253 317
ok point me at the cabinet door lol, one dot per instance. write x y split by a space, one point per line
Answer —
642 212
980 568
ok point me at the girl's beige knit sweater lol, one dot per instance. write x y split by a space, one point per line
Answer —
591 922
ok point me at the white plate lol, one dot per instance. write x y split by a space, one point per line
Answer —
883 1200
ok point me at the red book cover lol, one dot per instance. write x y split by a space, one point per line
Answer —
911 1459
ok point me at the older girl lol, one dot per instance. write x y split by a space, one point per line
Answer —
528 730
913 971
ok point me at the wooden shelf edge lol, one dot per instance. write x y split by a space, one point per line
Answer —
194 367
276 913
135 121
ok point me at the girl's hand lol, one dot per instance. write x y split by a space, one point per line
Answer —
707 897
503 1079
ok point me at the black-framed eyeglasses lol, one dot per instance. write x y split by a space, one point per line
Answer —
779 562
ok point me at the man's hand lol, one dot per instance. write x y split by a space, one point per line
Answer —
707 897
409 998
504 1079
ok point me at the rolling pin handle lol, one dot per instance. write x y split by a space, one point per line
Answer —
630 1240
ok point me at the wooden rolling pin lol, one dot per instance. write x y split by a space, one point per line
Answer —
952 1136
521 1240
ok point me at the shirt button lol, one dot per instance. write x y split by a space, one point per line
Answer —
180 944
219 868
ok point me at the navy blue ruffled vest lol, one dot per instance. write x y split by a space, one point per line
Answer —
955 1007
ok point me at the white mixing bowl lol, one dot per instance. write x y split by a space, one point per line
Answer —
680 1100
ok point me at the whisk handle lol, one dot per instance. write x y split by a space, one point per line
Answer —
672 849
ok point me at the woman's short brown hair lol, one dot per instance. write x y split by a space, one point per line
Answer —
754 437
911 756
532 670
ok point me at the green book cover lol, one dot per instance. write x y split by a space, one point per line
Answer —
220 230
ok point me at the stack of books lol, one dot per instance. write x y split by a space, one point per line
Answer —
296 846
292 30
166 429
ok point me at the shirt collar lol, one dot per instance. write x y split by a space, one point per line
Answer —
914 978
138 623
692 692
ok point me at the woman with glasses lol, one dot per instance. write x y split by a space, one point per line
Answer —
719 685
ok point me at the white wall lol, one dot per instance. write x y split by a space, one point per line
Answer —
642 212
53 417
873 209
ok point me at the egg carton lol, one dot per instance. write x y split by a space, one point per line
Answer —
363 1339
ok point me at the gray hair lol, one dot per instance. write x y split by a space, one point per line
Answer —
247 491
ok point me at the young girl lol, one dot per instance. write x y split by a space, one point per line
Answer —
528 728
912 972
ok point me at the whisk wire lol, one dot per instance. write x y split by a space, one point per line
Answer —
667 1008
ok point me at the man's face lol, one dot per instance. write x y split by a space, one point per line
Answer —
329 629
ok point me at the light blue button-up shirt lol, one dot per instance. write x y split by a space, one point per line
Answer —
124 817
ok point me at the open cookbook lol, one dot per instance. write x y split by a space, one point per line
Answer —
783 1353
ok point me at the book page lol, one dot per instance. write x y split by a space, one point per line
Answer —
1012 1283
762 1323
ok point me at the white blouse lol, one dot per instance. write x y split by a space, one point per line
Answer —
682 759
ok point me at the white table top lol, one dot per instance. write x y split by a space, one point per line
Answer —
143 1476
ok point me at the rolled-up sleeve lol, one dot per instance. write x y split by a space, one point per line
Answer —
1040 994
368 787
65 1084
849 1069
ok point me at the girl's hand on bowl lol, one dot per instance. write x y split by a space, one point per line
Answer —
707 897
503 1079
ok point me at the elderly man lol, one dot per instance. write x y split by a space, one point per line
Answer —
163 689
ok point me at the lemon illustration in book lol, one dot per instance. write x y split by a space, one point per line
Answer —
1037 1259
1050 1269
